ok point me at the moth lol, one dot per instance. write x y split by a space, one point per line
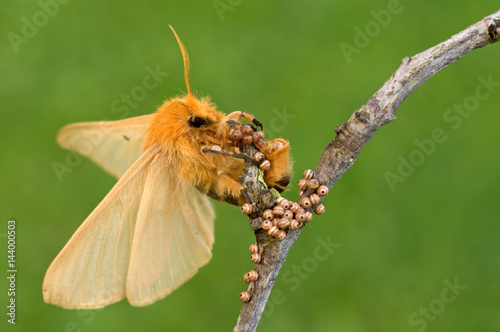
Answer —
155 228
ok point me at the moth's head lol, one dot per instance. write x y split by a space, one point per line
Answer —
186 115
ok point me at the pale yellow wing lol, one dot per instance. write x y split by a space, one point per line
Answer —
113 145
173 236
91 270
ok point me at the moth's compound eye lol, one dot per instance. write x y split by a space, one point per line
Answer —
197 122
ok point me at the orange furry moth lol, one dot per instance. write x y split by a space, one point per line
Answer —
154 229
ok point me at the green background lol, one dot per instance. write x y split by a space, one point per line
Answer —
397 248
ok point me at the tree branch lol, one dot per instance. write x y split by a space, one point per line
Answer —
351 137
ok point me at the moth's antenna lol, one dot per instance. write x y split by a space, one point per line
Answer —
185 56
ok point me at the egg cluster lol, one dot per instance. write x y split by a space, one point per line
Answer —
246 135
251 275
292 215
286 215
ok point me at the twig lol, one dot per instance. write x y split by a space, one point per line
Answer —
352 136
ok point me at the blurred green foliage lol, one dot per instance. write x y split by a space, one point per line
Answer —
396 248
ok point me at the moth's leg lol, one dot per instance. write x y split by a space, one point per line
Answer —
227 189
238 115
277 152
234 155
